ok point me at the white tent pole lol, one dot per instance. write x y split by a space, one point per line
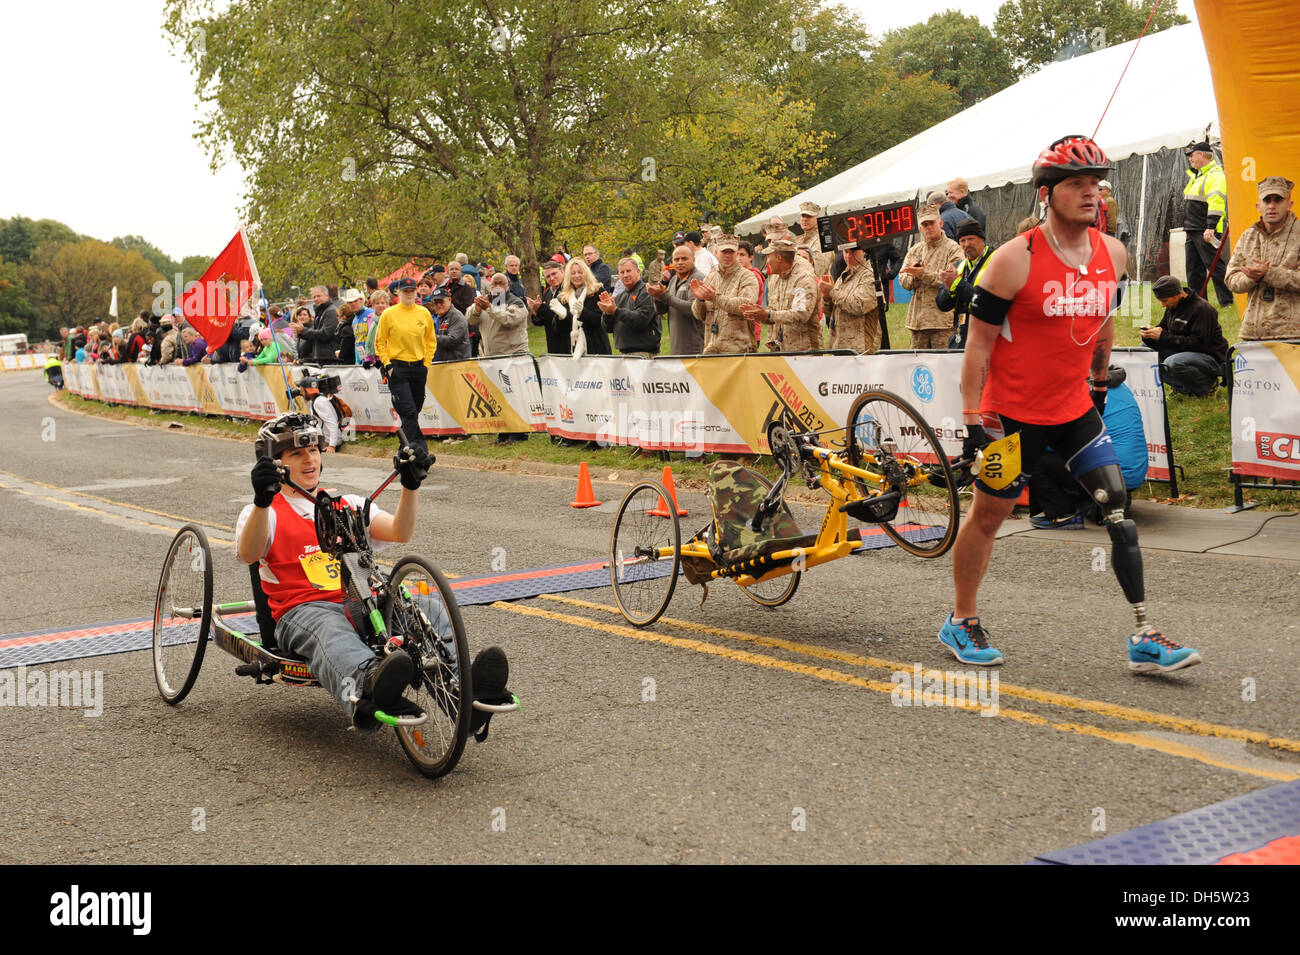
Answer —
1142 218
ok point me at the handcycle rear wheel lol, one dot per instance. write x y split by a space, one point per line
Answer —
886 435
182 613
422 608
774 592
642 588
777 590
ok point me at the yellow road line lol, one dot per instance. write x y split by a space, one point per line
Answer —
835 676
1102 708
105 500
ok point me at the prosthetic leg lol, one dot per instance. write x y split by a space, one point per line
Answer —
1105 486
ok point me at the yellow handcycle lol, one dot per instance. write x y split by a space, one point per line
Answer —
889 473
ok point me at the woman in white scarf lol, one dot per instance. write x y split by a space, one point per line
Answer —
577 298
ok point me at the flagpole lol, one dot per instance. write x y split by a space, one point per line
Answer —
266 313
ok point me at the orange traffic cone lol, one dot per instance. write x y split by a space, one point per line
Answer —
662 509
1024 498
586 496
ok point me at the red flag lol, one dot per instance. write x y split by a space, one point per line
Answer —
216 300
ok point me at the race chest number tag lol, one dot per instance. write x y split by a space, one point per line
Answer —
322 570
1001 462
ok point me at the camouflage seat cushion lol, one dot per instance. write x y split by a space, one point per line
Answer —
735 494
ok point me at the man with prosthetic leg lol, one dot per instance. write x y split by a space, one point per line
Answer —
1033 377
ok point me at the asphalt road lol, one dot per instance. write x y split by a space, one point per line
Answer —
771 735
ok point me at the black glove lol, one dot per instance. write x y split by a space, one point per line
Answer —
266 481
413 465
976 440
385 371
1098 396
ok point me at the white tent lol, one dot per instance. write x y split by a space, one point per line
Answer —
1166 100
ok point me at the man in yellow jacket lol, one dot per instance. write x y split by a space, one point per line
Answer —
405 343
1205 220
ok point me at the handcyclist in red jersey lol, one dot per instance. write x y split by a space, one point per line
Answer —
1034 376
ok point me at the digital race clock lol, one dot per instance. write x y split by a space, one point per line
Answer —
873 226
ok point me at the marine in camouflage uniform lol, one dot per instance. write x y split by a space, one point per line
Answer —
853 294
1273 309
929 326
734 287
792 300
821 261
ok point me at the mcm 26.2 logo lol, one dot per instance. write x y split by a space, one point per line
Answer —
481 403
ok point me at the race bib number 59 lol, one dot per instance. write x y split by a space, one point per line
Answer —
322 570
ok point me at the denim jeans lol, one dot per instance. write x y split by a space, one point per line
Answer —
319 632
1190 373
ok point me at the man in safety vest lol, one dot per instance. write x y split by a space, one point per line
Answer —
1205 221
959 286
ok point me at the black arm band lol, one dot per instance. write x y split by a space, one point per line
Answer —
1120 287
987 307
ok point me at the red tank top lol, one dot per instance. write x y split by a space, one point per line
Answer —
1040 361
303 571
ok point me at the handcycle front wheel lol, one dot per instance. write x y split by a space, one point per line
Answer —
182 613
421 608
645 553
887 437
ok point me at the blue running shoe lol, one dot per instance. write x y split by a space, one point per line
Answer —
1071 522
969 642
1151 651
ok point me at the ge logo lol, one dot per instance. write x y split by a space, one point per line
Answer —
923 383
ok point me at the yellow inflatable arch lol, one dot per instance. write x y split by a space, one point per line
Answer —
1253 48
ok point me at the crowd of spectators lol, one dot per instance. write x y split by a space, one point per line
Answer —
717 293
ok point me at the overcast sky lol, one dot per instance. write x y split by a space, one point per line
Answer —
101 121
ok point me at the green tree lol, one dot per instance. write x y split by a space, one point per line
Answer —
1040 31
159 259
476 115
764 140
16 311
863 106
193 266
16 242
51 231
954 49
76 282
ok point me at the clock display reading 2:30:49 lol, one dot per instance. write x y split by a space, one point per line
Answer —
882 223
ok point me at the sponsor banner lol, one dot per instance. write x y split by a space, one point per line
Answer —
479 396
22 362
133 379
168 387
200 381
701 403
1142 369
656 405
1266 410
113 385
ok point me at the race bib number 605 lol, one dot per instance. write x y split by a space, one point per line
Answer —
1001 462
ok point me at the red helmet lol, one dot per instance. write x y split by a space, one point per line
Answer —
1069 156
